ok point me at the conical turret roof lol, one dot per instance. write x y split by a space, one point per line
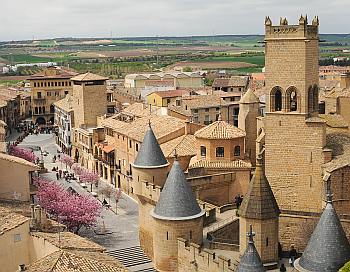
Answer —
249 97
328 248
259 202
251 261
150 154
176 201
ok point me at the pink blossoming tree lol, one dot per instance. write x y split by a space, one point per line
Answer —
90 177
78 169
67 160
19 152
74 211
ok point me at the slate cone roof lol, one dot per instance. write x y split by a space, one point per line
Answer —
150 154
328 248
176 201
250 261
259 202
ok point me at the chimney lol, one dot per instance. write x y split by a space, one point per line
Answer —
345 80
22 267
37 214
187 127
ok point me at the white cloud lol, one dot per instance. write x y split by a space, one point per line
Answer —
23 19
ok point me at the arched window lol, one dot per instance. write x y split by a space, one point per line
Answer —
220 152
203 151
276 99
315 97
237 151
292 99
52 108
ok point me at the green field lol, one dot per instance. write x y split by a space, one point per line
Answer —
25 58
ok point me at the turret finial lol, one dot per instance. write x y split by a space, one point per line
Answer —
250 234
329 193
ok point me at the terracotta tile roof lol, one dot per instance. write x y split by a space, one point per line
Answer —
14 159
338 92
185 145
162 125
139 109
220 164
66 103
220 130
169 94
221 82
10 220
75 261
69 241
239 81
340 145
88 77
159 83
334 120
59 73
197 102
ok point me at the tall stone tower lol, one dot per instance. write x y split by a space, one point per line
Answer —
295 136
248 112
260 210
176 215
149 172
89 90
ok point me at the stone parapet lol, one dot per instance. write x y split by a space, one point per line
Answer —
193 257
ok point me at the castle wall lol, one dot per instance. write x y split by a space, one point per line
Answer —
193 258
146 226
165 238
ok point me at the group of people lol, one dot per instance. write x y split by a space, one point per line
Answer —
238 201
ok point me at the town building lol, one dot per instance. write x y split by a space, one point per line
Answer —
232 84
10 108
204 109
164 98
176 79
47 87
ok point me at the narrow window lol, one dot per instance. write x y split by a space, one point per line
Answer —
167 235
137 147
203 151
190 234
267 241
237 151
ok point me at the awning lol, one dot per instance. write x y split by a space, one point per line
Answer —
108 148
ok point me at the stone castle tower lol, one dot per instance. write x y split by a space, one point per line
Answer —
176 215
167 207
90 95
295 136
248 112
150 167
260 210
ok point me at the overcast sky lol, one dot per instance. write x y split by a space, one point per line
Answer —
25 19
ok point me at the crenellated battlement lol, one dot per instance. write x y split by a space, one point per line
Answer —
285 31
193 257
149 190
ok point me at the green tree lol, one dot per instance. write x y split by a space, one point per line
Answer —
345 268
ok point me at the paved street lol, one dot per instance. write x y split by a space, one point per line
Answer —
113 231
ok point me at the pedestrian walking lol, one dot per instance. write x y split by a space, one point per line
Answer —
283 268
60 173
57 176
292 255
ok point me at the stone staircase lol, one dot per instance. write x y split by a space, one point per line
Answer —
133 258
